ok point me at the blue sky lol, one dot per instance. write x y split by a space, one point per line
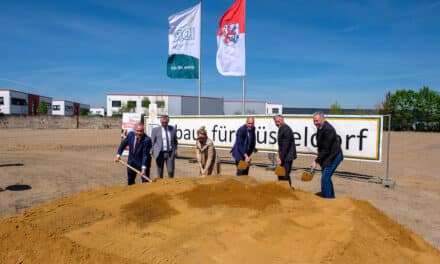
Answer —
299 53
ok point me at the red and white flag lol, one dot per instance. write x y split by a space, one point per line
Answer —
231 56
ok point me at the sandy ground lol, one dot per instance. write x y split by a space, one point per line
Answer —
108 224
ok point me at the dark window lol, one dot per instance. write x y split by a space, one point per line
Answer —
116 103
18 101
56 107
2 100
275 110
131 104
68 108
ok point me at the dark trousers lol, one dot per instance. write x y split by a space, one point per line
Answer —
327 190
131 175
241 172
165 157
287 164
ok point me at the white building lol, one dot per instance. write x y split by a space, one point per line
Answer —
97 111
20 103
252 107
166 104
69 108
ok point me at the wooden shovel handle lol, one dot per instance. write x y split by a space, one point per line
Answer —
134 169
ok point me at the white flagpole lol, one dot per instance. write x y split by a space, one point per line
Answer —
200 60
243 85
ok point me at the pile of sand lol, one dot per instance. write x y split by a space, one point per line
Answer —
210 220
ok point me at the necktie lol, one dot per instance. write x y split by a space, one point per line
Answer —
136 143
168 140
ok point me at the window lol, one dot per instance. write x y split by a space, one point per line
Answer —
116 103
18 101
56 107
2 100
131 104
68 108
275 110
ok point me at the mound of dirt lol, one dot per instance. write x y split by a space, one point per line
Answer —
209 220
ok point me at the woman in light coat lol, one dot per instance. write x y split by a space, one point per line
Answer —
206 154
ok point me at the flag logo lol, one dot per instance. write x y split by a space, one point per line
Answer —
182 36
230 34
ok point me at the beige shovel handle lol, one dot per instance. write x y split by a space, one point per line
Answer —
134 169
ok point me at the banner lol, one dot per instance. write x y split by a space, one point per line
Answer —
361 136
231 57
184 43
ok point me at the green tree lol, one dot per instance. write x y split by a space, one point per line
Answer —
126 108
83 111
145 102
403 109
42 108
335 109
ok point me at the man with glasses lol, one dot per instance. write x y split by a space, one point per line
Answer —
244 145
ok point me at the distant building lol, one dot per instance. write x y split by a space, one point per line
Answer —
14 102
234 107
166 104
97 111
68 108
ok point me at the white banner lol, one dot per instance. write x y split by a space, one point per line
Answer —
361 136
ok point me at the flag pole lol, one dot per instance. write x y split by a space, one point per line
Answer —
200 61
243 85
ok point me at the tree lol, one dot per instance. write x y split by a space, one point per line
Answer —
83 111
126 108
335 109
145 102
413 110
42 108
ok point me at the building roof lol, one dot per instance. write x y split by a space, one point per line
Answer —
170 95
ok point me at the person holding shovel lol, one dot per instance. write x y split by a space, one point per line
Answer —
206 154
286 147
329 153
244 146
139 156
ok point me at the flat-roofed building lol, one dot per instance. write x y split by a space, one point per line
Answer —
167 104
14 102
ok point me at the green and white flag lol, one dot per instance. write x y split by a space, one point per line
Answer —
184 44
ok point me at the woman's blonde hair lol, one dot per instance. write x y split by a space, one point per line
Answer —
202 130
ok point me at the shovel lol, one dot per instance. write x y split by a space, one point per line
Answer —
280 171
242 165
307 175
135 170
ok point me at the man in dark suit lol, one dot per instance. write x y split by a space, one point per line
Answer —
244 144
139 153
164 140
329 153
286 146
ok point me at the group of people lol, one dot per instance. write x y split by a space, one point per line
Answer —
163 143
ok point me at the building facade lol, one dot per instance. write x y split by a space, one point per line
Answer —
14 102
252 107
68 108
166 104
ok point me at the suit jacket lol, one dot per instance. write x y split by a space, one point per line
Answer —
286 143
207 157
141 155
243 145
329 145
156 138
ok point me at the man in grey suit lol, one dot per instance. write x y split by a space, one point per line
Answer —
164 141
